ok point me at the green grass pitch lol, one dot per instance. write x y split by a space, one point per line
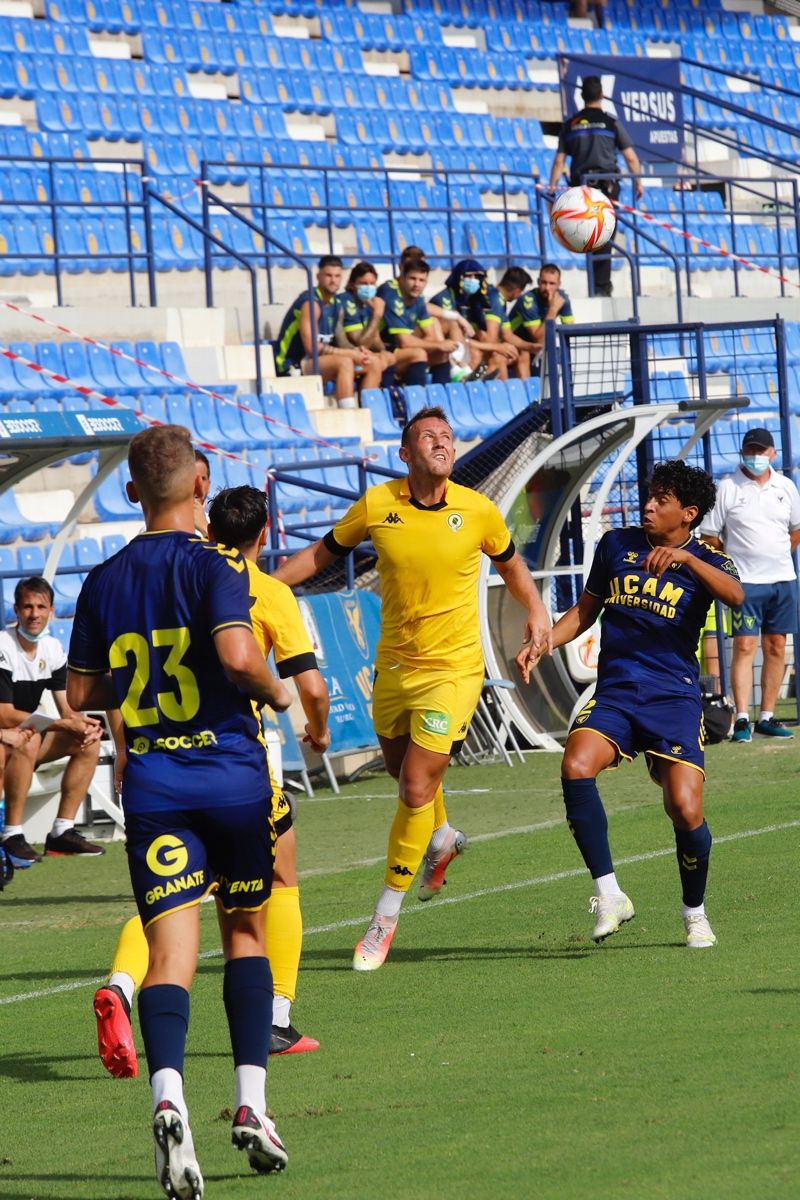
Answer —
499 1053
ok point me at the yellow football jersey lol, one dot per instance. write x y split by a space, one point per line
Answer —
277 624
428 561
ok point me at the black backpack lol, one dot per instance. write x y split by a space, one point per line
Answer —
717 717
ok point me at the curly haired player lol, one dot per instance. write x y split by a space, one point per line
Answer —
653 583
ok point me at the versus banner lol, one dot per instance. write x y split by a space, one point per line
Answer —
643 93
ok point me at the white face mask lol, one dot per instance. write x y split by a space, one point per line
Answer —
756 464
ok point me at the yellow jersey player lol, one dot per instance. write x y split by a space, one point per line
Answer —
429 534
238 519
163 634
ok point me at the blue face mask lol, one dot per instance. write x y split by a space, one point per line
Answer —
31 637
470 286
756 464
366 291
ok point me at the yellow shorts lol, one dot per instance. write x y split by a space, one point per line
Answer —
434 707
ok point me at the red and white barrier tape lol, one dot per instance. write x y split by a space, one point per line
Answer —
187 383
110 401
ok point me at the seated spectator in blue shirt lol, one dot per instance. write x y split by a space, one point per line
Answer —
406 325
359 325
294 348
547 302
474 313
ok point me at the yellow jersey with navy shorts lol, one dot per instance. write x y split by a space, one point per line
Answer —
648 679
429 663
195 793
278 626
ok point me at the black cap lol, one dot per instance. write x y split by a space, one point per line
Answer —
758 437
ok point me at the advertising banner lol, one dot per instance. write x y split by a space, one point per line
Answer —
643 93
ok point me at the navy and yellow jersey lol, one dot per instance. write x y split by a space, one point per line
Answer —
400 317
428 562
149 615
651 626
357 314
480 310
290 351
495 309
530 311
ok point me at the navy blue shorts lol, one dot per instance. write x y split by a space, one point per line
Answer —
176 856
768 608
663 727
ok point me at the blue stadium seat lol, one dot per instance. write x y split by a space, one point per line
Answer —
112 544
465 425
385 426
110 501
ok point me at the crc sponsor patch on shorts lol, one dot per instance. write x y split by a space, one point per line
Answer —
175 857
437 722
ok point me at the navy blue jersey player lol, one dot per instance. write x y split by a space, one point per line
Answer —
653 585
162 633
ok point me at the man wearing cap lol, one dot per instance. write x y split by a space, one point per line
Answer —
474 312
757 517
591 139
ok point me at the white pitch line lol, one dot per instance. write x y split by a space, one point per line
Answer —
351 922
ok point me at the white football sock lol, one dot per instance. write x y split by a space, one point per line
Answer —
743 716
251 1087
123 981
440 839
281 1008
11 831
167 1084
606 885
389 904
765 716
700 911
61 825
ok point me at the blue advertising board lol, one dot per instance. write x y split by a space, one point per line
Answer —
643 93
343 627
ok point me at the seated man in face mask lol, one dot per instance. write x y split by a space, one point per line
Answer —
360 321
473 313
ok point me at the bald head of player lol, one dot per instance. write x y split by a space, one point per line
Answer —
164 477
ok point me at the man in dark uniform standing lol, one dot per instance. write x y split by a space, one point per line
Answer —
591 139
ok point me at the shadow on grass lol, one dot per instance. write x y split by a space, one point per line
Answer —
57 974
22 901
44 1068
48 1182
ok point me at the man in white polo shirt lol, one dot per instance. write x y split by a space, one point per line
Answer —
757 518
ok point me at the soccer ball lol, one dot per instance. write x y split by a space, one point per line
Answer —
583 219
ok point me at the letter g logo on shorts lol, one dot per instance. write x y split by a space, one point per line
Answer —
167 855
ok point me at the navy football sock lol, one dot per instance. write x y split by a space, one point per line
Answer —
694 850
440 373
588 824
247 993
164 1021
416 375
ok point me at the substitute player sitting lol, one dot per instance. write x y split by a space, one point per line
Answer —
429 534
163 633
238 518
654 585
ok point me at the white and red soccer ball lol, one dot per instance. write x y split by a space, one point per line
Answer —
583 219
